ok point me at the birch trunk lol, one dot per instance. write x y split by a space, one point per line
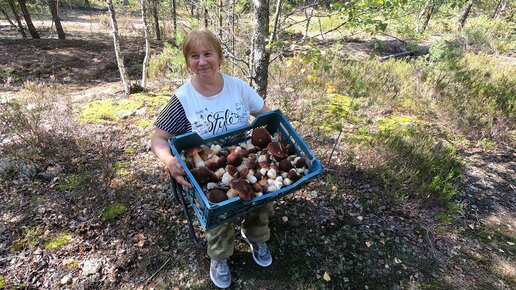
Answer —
174 18
502 4
465 14
427 13
147 44
275 28
119 58
260 54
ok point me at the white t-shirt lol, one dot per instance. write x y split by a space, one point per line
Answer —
188 110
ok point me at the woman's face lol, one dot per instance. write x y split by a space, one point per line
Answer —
203 61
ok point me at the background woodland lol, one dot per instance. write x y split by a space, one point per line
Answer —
410 106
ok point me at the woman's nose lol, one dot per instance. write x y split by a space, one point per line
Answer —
202 60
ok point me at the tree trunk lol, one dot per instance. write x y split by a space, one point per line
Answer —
119 58
32 30
465 14
433 7
275 28
425 12
174 18
502 4
309 11
52 4
17 17
206 16
260 54
147 44
155 16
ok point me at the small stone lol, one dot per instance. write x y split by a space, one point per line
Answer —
91 267
66 279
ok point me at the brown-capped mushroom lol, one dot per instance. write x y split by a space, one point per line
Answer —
285 165
234 158
194 153
261 137
203 175
240 187
299 162
216 195
278 150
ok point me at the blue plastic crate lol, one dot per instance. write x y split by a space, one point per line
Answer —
213 214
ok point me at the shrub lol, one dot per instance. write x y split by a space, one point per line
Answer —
490 35
169 63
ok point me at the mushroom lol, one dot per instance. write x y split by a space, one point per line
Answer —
235 158
293 175
278 150
203 175
299 162
216 195
194 153
285 165
240 187
261 137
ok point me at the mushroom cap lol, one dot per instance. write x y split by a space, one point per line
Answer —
193 150
299 162
278 150
203 175
235 158
285 165
216 195
243 188
261 137
293 175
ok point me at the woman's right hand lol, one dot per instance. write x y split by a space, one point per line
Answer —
176 171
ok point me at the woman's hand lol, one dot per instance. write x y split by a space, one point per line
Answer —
161 149
176 171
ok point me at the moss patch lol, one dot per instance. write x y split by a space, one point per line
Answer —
101 111
113 211
71 181
57 241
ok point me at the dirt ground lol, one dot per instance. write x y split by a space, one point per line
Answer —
323 237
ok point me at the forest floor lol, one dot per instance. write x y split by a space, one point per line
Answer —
322 236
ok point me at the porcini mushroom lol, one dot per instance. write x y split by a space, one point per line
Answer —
194 153
278 150
240 187
261 137
203 175
216 195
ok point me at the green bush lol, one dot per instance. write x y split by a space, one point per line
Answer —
170 63
490 35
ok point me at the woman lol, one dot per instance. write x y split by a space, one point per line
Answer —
209 104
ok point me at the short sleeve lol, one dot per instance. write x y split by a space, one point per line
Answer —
172 118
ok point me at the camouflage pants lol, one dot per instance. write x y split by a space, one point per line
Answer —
221 239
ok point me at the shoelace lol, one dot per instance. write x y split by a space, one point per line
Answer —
222 267
262 250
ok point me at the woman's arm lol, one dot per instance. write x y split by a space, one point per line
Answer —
264 109
160 148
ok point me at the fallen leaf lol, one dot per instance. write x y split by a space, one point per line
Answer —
382 241
471 226
334 188
510 243
326 276
368 244
397 261
360 218
285 219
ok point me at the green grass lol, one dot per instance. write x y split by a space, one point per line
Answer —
113 211
70 181
57 241
102 111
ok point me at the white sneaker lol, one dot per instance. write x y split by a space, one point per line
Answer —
261 254
219 273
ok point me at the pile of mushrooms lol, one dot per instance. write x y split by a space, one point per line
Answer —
263 164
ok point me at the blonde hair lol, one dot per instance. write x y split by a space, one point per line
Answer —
202 36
